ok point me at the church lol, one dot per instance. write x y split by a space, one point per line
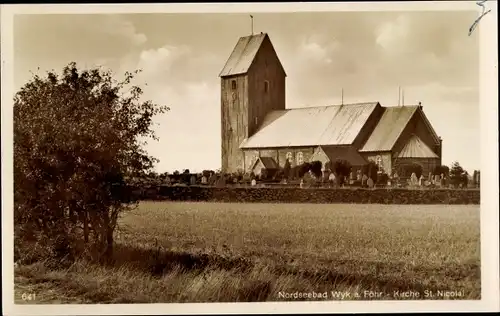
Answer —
258 131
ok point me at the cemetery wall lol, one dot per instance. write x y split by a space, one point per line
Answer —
307 195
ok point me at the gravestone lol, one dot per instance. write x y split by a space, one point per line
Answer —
369 182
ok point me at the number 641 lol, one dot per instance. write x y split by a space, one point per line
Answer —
28 296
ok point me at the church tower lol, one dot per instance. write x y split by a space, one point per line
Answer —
252 85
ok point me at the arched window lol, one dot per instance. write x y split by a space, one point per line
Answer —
289 157
300 158
266 86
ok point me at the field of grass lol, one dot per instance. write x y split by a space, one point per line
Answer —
223 252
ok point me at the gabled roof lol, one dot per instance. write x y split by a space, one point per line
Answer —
312 126
348 153
416 148
429 125
268 162
243 55
389 128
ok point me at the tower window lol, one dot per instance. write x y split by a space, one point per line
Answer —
266 86
256 120
233 84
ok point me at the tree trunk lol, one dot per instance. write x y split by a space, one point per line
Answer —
108 238
109 242
85 227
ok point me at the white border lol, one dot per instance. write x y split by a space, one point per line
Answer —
489 167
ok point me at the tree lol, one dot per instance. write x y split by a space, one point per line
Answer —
303 169
286 169
457 174
185 176
77 136
442 169
315 168
476 178
342 168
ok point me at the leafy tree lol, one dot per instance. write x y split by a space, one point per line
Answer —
303 169
315 168
457 174
77 137
445 170
342 168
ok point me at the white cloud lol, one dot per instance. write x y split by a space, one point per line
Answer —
317 49
158 62
118 26
391 35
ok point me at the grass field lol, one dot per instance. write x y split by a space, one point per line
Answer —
207 252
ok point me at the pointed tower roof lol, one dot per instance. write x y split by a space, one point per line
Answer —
243 54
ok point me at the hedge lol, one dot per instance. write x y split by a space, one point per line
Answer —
309 195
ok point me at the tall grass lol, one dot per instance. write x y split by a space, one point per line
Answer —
210 252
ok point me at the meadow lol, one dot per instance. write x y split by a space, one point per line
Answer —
229 252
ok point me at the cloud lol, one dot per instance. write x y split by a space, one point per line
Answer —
117 26
317 49
157 63
389 35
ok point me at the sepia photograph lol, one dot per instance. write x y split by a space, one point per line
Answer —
281 158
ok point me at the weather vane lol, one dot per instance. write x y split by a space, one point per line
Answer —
483 13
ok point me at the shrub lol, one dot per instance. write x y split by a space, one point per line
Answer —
315 168
303 169
438 170
342 168
458 175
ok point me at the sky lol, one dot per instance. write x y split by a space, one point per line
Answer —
367 54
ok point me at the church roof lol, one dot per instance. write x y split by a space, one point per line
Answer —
311 126
416 148
243 55
389 128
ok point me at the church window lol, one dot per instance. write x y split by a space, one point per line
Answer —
256 120
289 157
266 86
233 84
300 158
